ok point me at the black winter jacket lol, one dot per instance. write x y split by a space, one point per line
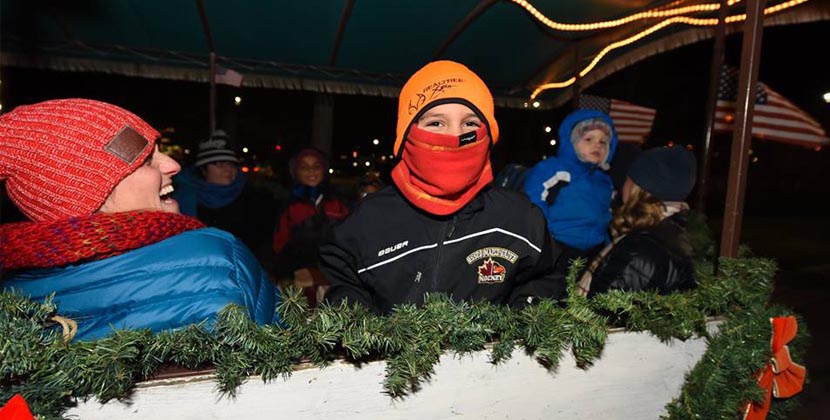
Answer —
496 248
656 258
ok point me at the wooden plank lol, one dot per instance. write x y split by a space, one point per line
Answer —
634 379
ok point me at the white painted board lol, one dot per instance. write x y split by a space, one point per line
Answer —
635 377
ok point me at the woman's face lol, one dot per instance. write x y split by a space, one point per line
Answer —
453 119
220 173
148 188
309 171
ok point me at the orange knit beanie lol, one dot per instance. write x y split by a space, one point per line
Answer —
443 82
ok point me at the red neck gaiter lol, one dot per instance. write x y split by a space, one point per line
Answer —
440 173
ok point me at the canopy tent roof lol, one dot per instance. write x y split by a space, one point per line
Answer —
366 47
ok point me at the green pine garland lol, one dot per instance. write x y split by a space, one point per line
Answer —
35 362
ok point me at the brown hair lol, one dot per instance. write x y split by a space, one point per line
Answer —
641 210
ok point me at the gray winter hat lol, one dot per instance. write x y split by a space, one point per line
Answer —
216 149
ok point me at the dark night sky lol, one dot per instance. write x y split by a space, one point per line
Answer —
675 83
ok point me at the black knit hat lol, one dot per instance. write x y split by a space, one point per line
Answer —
216 149
668 173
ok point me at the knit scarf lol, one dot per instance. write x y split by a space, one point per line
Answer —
441 173
306 192
57 243
203 193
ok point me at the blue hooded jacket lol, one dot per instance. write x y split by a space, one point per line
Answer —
575 196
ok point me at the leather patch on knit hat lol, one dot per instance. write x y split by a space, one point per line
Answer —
127 145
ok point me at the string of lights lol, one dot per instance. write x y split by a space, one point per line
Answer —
649 14
648 31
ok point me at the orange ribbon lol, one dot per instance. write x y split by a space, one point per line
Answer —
781 378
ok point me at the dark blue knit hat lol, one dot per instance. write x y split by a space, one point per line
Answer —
668 173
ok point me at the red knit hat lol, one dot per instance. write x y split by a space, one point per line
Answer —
62 158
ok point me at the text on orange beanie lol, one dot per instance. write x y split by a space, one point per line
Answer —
442 82
62 158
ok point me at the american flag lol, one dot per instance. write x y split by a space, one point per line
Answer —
633 122
774 117
228 77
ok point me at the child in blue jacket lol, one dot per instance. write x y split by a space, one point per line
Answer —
573 189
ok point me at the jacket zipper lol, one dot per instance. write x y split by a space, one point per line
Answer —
445 234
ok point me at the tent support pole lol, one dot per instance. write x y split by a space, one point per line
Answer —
212 125
577 88
711 100
742 136
212 67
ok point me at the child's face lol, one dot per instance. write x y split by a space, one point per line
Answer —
453 119
309 171
592 147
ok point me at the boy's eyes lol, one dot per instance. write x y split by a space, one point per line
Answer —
589 139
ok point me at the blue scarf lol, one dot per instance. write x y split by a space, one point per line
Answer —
192 190
304 191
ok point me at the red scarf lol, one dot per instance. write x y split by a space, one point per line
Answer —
439 174
60 242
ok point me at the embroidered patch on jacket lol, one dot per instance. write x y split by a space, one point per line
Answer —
492 251
491 272
127 145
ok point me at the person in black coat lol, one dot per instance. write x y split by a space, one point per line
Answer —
217 192
651 249
441 227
